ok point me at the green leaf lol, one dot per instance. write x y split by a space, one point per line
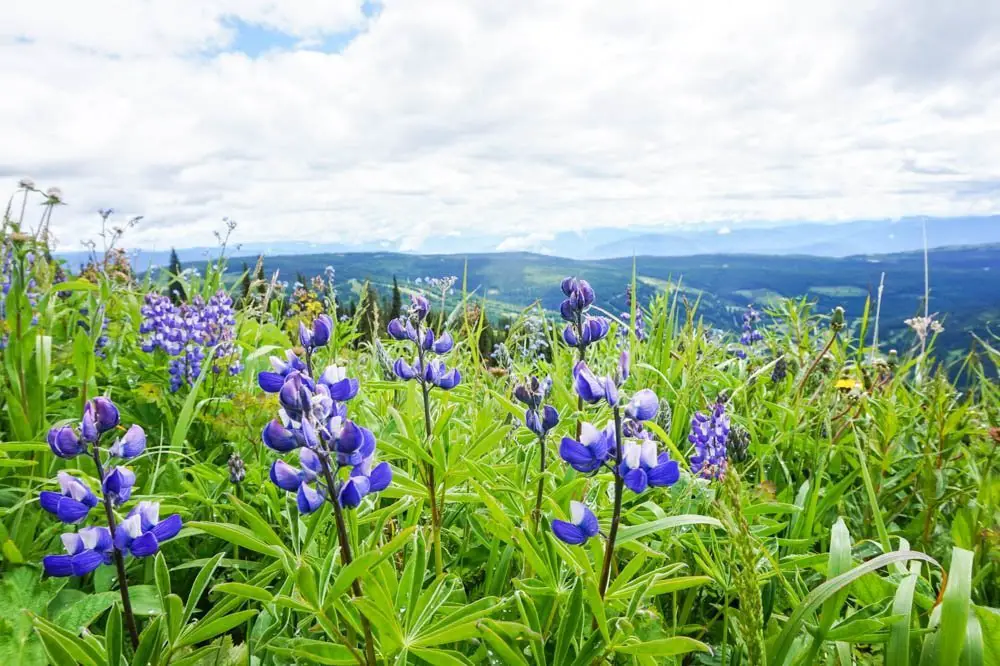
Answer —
569 626
201 581
83 612
83 652
506 653
783 643
236 535
161 575
204 631
955 606
313 651
633 532
665 647
245 591
113 637
897 652
148 642
306 581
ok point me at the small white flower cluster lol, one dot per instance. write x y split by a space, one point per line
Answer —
924 325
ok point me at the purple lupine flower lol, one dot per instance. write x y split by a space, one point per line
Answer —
341 387
437 374
308 499
88 425
533 391
86 550
442 345
74 501
592 388
280 438
642 406
405 371
624 367
65 442
750 333
271 382
582 329
402 330
185 332
593 450
579 297
129 446
541 423
581 526
290 478
591 330
142 531
351 442
642 467
118 484
709 433
364 480
419 307
104 414
318 335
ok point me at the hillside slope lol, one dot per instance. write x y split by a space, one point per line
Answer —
965 282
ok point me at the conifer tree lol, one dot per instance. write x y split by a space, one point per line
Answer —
397 300
175 289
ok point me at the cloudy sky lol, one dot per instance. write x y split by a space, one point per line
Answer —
337 120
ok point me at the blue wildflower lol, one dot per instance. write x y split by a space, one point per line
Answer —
592 388
74 501
581 526
133 443
642 467
86 550
709 433
142 531
592 451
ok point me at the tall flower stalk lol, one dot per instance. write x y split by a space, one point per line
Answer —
139 534
636 463
429 373
582 329
313 421
539 419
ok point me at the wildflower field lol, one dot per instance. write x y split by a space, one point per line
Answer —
200 472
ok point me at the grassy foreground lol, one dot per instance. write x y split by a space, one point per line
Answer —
856 521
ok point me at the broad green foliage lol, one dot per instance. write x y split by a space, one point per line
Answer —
862 524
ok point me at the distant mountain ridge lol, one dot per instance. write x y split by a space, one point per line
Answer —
816 239
964 282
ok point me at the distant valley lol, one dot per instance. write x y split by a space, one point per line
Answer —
965 282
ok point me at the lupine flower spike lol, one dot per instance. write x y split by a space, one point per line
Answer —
636 463
709 434
139 535
539 419
429 374
313 420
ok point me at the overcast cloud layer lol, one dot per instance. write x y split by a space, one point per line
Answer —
415 117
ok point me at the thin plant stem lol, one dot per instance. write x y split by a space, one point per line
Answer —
24 203
537 515
425 391
119 560
345 545
878 314
345 552
609 548
812 366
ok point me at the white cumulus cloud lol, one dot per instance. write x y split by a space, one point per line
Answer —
507 118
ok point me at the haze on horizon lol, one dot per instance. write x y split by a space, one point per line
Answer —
347 121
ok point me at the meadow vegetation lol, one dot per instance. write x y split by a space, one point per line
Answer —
588 488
